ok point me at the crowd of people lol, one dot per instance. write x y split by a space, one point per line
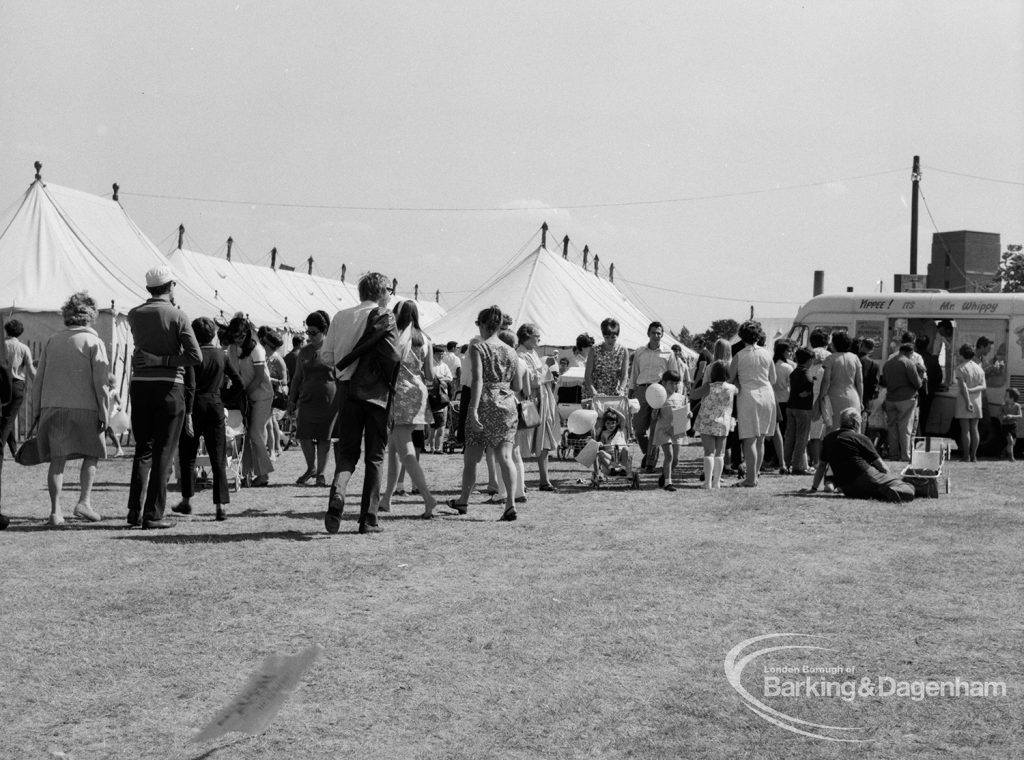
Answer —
368 382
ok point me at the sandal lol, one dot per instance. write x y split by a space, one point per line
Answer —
460 507
304 478
509 515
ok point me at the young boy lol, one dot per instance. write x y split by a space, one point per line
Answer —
113 407
665 434
1008 417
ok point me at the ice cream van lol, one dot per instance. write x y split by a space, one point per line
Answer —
949 320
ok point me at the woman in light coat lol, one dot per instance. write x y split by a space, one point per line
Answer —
70 399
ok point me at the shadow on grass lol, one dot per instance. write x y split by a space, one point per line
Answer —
216 538
210 752
39 525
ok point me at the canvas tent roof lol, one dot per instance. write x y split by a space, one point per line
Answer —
232 287
60 241
275 297
557 295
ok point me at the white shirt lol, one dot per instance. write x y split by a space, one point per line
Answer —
650 364
441 372
451 361
346 329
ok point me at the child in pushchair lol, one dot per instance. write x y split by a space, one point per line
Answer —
613 455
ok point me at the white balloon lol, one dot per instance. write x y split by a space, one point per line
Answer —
656 395
581 421
120 422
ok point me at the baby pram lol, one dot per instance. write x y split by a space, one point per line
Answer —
622 469
570 398
926 468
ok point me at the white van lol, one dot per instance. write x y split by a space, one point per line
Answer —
948 319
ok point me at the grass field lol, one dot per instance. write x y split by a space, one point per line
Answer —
595 626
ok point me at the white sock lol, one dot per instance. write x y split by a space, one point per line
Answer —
716 475
709 466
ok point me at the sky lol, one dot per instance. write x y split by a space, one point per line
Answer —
716 153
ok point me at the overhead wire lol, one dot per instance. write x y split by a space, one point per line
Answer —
1018 183
949 253
506 209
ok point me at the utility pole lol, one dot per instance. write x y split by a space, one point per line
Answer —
915 175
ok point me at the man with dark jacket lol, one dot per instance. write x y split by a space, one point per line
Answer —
870 368
857 470
930 386
164 346
359 343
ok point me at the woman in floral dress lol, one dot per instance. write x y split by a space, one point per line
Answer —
714 420
409 406
491 419
607 364
541 439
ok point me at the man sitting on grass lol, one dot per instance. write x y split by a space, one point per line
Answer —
857 470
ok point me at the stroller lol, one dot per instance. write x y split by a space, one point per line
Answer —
570 398
617 465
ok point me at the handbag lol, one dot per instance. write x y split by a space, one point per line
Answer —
529 416
233 397
28 452
437 398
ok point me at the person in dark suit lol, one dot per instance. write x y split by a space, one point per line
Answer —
204 416
870 369
933 380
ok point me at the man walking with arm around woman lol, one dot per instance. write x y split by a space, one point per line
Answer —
365 387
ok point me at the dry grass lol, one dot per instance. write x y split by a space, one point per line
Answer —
596 626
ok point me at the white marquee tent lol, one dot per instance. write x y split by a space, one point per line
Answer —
280 298
60 241
560 297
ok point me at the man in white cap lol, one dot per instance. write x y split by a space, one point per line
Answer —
164 346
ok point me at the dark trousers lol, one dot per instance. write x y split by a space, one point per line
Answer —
10 414
6 422
158 412
361 423
464 398
872 484
208 422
